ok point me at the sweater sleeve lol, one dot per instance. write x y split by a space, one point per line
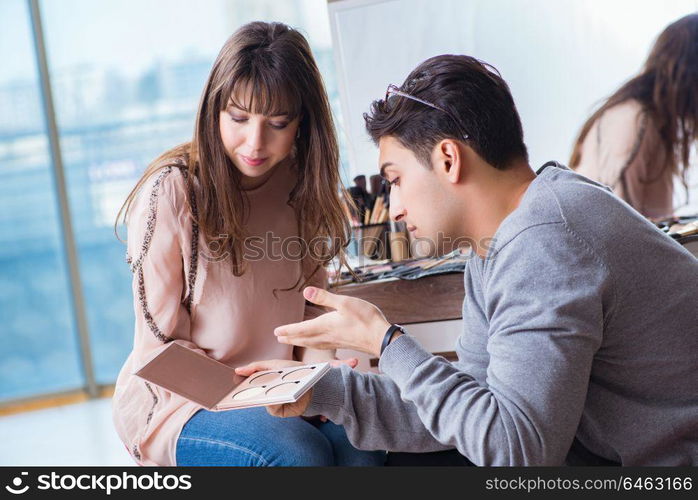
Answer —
155 239
373 414
543 297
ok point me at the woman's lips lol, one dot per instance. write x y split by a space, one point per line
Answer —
411 228
253 162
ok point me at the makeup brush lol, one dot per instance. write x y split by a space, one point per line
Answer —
399 248
377 207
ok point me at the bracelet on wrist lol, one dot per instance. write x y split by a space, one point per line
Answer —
389 335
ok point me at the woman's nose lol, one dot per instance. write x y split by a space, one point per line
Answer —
255 137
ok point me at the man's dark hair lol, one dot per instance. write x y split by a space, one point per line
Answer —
478 103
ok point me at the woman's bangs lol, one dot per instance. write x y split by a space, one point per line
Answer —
264 93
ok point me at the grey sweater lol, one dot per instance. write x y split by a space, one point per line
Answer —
580 343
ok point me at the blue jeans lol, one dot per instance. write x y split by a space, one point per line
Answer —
252 437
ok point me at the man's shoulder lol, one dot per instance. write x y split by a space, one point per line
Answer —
554 201
566 213
563 181
563 208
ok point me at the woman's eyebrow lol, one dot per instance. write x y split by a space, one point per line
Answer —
231 104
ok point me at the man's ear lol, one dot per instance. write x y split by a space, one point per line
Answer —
448 160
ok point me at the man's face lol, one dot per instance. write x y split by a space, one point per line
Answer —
418 196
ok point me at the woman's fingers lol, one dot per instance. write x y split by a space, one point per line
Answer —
350 362
249 369
276 410
291 409
259 366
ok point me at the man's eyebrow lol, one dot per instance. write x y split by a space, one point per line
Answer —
384 166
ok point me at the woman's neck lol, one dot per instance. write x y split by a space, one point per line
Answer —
249 183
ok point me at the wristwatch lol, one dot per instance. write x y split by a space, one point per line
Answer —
389 334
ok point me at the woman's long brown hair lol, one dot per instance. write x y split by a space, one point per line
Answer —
667 88
276 62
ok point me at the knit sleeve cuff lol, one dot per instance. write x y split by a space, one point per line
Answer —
401 357
328 395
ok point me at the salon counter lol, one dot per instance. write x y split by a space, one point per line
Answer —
431 306
432 298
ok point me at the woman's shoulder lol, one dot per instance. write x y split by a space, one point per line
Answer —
630 113
167 182
158 206
631 122
619 127
161 199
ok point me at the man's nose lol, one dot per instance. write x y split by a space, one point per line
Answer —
397 211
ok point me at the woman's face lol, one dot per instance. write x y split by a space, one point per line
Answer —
256 143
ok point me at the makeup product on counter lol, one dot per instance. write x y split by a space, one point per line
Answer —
216 386
379 213
399 245
681 230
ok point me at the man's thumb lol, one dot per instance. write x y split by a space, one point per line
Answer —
322 297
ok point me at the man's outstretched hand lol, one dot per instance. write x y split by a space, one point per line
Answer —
354 324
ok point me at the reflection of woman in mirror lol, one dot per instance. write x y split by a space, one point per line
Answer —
263 166
641 138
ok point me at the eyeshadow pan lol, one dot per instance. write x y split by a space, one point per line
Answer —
297 374
265 378
248 393
282 389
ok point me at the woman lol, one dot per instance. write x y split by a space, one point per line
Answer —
642 136
214 227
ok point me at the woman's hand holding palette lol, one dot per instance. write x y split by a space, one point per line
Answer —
216 386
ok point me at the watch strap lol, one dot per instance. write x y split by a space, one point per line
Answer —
389 334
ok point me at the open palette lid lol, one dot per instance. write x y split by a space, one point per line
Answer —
216 386
191 374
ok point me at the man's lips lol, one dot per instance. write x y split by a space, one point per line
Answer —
411 228
254 162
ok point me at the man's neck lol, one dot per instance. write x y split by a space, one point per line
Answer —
499 193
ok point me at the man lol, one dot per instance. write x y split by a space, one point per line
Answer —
580 338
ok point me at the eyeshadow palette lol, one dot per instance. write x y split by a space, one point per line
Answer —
216 386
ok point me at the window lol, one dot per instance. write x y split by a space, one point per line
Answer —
126 79
40 350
